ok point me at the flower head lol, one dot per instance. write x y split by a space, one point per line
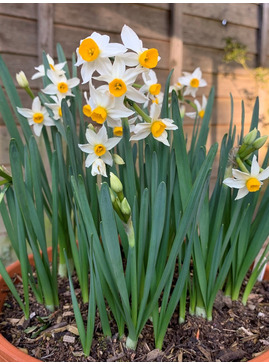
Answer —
60 86
120 81
106 107
142 57
157 127
247 182
56 107
200 109
193 81
94 52
57 68
37 116
98 147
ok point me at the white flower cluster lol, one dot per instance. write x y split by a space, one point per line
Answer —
116 67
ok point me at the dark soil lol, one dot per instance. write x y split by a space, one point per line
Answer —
236 333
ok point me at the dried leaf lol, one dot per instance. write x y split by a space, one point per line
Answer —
69 339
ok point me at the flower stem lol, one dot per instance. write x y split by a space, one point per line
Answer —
139 111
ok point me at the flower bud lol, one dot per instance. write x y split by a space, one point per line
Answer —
91 127
22 80
250 137
117 159
115 183
125 207
260 142
112 196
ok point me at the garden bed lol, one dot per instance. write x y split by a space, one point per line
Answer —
236 333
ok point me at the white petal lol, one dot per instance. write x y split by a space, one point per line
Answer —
73 82
135 95
87 70
163 138
27 113
197 73
234 183
90 159
130 39
264 174
37 129
107 158
255 168
86 148
51 89
101 136
242 193
240 175
112 142
36 105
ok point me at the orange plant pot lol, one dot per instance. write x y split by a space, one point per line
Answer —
9 353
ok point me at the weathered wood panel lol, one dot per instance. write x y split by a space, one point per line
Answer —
19 36
111 17
241 14
22 63
211 34
211 60
20 10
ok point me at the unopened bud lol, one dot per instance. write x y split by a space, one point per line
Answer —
260 142
91 127
117 159
22 79
125 207
115 183
250 137
112 196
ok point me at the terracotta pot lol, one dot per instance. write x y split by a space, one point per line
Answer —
9 353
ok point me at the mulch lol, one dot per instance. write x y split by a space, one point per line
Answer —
236 333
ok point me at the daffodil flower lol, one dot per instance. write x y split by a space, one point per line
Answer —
98 147
193 81
60 86
38 116
99 167
157 127
151 88
56 107
94 52
142 57
106 107
57 68
247 182
200 109
120 81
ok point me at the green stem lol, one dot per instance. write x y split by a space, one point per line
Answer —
132 251
241 165
139 111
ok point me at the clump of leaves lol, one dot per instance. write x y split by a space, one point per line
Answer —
235 51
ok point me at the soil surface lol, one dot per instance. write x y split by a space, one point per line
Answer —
236 333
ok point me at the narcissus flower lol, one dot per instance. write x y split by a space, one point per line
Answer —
60 86
38 116
120 81
98 147
200 109
94 52
56 107
193 81
157 127
143 57
106 107
247 182
57 68
99 167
